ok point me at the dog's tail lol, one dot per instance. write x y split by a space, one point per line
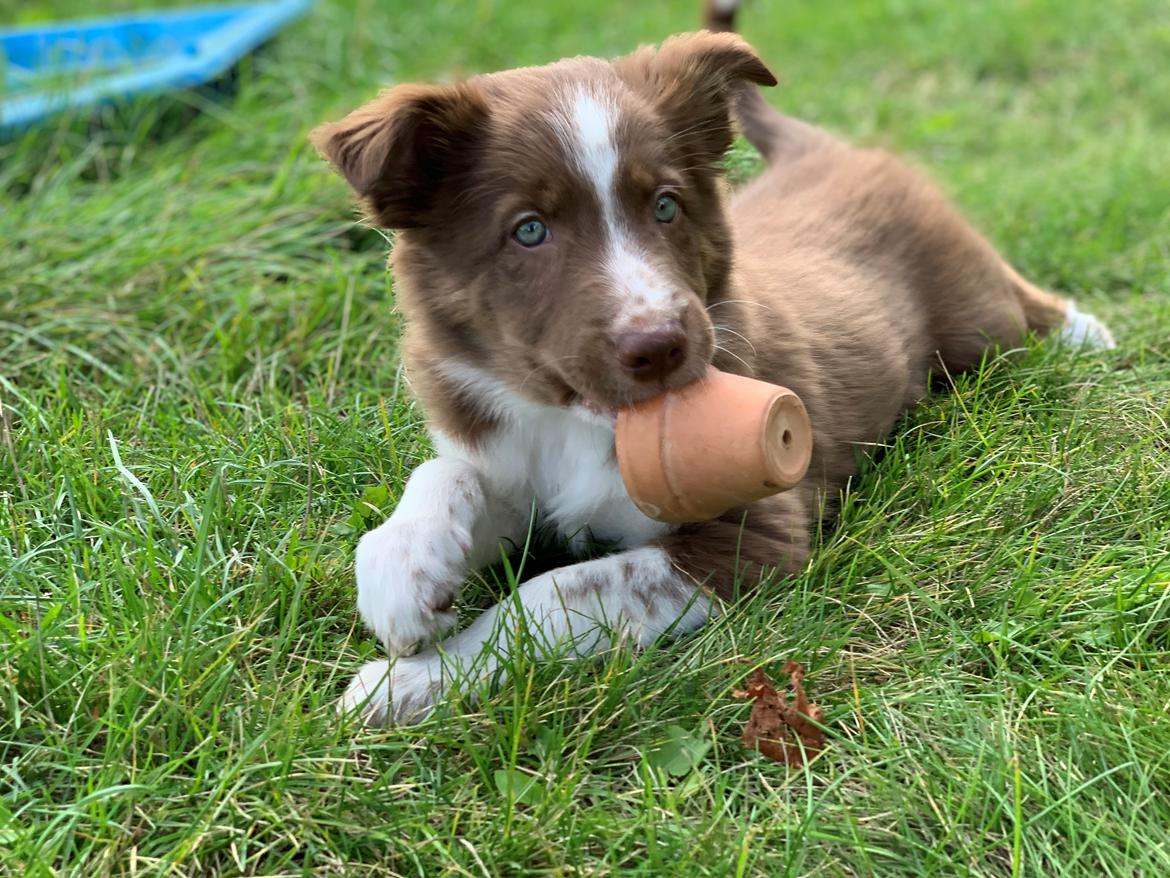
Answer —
776 136
719 15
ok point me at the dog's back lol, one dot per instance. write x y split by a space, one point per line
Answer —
864 278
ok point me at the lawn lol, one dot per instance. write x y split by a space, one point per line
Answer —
203 410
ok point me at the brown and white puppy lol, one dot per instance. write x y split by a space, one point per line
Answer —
567 246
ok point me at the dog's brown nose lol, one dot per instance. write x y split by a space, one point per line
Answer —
651 356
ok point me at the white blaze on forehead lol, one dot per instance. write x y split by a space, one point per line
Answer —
592 146
586 121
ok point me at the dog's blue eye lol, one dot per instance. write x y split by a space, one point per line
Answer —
665 209
531 233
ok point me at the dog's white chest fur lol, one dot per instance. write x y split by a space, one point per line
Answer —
561 458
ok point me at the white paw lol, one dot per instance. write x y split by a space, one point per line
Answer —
408 574
1084 330
401 692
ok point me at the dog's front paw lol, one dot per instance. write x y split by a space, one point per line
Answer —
401 692
408 574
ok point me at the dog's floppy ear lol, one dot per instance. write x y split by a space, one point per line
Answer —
402 151
693 79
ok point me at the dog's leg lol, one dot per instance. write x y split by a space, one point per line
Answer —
668 586
637 594
1081 329
410 568
1048 313
992 306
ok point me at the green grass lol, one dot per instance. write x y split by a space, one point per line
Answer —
203 411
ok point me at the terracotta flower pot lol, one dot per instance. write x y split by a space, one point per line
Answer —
721 442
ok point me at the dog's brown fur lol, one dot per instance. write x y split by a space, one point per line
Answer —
850 280
853 276
457 280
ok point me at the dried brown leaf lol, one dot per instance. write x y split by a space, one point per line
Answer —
776 725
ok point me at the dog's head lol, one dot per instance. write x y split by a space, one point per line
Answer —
562 226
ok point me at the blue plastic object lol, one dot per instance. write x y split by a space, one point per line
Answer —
49 68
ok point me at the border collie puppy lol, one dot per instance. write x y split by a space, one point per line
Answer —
566 246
